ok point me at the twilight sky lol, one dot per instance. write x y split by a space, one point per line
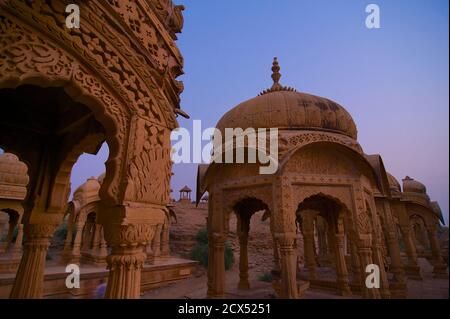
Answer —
393 81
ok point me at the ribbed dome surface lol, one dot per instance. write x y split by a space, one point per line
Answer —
92 185
13 171
412 186
285 109
394 185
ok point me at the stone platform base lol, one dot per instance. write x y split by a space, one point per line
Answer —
162 272
302 287
398 291
331 285
9 264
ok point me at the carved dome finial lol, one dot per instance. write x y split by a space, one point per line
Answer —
276 75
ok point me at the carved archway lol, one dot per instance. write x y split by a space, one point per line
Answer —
43 64
234 196
291 145
339 195
121 64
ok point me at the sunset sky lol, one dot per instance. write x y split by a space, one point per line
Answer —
393 81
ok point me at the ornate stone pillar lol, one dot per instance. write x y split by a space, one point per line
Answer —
322 242
210 269
165 248
76 249
439 267
126 259
358 279
103 251
341 266
276 255
124 280
243 226
297 259
85 235
331 253
378 260
216 266
96 240
67 251
30 275
289 289
308 239
156 244
412 268
394 253
150 255
398 286
365 256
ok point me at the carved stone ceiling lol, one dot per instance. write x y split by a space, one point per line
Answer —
41 110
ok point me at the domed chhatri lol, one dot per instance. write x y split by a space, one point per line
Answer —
13 190
88 191
412 186
394 185
284 108
100 178
185 194
12 171
13 177
91 185
324 180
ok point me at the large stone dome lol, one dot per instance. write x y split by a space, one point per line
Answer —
284 108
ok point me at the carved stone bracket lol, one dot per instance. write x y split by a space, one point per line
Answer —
131 235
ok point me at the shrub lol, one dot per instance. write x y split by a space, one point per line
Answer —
267 277
229 256
15 232
200 254
202 236
61 232
200 250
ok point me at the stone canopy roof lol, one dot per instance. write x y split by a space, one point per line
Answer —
284 108
13 177
185 189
